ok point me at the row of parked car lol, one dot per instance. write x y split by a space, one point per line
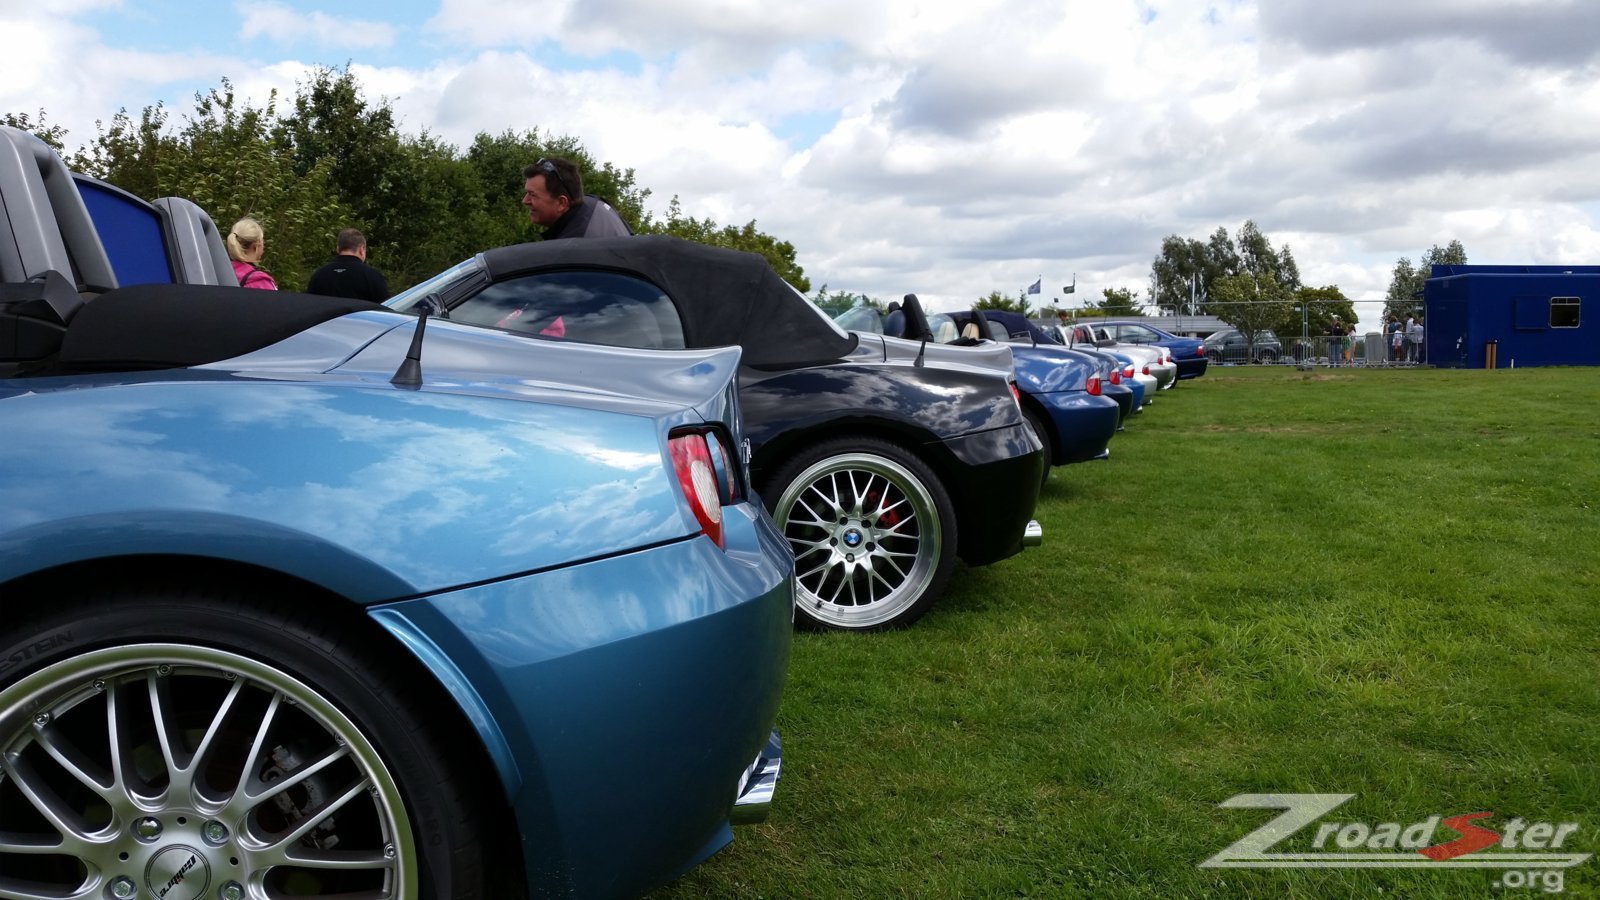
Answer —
308 596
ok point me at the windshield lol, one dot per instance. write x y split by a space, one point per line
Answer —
943 328
855 315
440 284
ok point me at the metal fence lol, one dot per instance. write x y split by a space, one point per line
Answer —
1357 350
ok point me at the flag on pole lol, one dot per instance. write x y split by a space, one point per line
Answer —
1034 288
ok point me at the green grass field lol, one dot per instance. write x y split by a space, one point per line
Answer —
1371 582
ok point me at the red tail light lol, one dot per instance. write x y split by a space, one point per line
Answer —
1147 368
1116 376
701 464
1094 385
1127 371
1015 394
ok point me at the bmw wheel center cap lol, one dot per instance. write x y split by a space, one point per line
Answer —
177 873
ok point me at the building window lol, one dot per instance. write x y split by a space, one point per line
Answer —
1564 312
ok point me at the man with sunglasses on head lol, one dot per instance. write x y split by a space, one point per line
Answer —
553 194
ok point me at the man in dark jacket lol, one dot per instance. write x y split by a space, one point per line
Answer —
348 275
553 194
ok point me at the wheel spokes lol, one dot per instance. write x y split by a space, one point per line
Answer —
136 751
279 849
865 535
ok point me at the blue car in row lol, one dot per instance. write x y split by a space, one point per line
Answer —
1188 353
1062 392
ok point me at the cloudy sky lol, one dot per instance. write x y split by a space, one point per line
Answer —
950 149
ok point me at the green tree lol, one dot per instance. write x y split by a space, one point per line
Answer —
778 254
842 300
1252 303
1405 284
997 300
339 160
232 160
133 156
1256 257
1322 304
1223 255
1117 302
53 135
1182 274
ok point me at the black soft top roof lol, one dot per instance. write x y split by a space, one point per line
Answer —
724 297
170 326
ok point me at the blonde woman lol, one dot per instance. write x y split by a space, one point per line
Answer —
246 244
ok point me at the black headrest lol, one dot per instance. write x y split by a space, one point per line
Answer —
917 328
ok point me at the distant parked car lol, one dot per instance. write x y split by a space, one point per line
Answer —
1231 346
1188 353
1063 391
1064 395
1153 361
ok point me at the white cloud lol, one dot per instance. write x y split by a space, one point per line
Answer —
280 23
956 149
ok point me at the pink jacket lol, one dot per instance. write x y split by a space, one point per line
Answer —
253 276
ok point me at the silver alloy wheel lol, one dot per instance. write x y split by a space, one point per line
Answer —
866 539
185 772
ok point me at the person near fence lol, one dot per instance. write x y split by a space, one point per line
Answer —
1349 343
1335 333
1414 341
1397 339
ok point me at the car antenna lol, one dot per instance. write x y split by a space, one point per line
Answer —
410 372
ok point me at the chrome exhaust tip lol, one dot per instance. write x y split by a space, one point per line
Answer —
1033 535
757 785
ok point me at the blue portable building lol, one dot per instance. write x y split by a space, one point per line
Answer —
1477 316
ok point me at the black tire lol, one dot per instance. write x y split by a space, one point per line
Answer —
1213 356
285 697
873 533
1268 357
1043 435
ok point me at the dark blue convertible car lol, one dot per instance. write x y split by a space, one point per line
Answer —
302 597
1066 400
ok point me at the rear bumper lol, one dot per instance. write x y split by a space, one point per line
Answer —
1123 395
994 483
1081 423
1191 367
629 695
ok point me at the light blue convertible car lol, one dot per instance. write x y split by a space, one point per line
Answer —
301 597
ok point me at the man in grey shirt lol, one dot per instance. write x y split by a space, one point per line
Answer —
553 193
